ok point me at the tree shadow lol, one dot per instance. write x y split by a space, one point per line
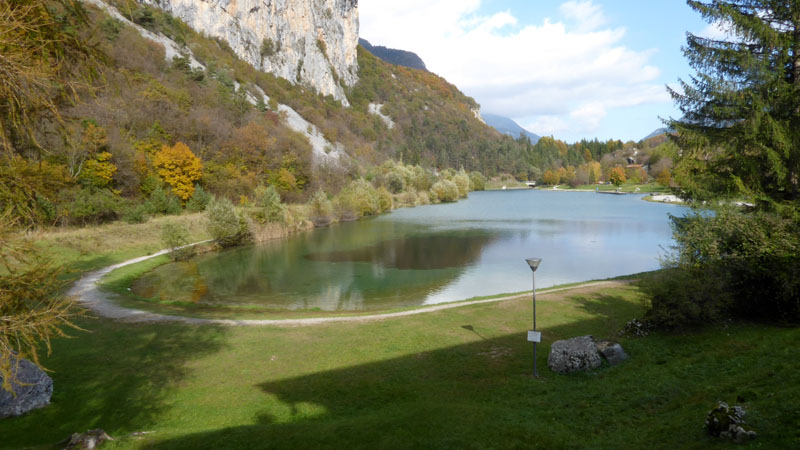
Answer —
475 395
115 376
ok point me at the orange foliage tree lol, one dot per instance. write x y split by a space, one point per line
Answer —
617 175
550 177
179 168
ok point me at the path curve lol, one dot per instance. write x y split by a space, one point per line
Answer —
87 293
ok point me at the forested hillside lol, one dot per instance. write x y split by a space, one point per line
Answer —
143 127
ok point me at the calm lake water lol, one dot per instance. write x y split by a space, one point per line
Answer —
431 254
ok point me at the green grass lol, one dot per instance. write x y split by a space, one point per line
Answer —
425 381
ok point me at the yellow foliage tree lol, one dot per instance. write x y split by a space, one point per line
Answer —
286 181
179 168
99 171
550 177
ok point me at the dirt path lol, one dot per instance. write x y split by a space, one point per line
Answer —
87 293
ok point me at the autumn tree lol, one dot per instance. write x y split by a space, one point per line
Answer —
617 176
550 177
179 168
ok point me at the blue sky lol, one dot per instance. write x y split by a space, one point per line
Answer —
574 69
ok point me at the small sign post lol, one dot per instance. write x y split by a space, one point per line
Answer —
534 336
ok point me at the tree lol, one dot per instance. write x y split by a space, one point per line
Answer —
44 61
225 225
179 168
550 177
321 208
269 203
32 307
740 131
175 237
617 175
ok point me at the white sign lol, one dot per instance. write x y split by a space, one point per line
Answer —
534 336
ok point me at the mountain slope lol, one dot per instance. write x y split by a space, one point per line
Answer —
394 56
508 126
655 133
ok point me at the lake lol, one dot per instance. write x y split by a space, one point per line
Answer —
430 254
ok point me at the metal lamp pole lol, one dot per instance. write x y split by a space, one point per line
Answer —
534 336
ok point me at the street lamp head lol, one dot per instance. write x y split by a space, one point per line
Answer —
534 263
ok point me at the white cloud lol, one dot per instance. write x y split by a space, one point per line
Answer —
560 76
717 30
586 15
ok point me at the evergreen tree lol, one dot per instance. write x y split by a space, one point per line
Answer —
740 132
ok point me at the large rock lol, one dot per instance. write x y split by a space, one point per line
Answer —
572 355
612 352
33 390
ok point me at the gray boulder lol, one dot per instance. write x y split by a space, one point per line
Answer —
33 389
572 355
612 352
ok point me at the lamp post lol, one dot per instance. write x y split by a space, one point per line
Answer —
534 336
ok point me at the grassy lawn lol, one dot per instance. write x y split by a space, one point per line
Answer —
90 248
425 381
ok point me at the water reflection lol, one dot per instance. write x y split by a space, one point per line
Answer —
429 254
426 252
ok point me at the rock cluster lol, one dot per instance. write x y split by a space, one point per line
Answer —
87 441
304 41
583 353
728 423
32 390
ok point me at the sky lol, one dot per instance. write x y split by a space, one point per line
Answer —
572 69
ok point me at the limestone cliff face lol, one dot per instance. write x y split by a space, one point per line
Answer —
307 41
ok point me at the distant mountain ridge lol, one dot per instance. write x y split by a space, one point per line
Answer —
508 126
657 132
394 56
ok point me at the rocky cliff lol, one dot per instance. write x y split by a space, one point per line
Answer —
304 41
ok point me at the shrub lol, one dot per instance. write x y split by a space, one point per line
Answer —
423 198
733 264
175 237
321 208
359 198
421 179
136 214
199 199
225 225
445 191
93 206
408 198
270 208
163 202
477 182
385 201
395 183
461 179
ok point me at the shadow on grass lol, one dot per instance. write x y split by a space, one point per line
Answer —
116 376
476 395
